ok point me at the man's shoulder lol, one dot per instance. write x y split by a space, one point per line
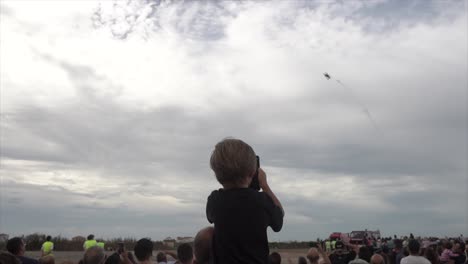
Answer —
405 260
414 260
358 261
26 260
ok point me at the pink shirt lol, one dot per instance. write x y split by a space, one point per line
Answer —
446 254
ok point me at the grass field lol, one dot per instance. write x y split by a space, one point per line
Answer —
287 255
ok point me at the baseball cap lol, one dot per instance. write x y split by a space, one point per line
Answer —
339 245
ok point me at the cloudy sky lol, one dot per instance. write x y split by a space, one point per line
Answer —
110 111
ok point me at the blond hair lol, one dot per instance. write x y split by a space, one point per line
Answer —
232 161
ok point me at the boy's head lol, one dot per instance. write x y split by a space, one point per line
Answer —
233 162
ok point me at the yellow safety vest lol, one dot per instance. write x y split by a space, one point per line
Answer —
327 245
333 244
89 243
47 247
100 244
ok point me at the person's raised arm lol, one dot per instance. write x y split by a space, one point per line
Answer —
262 180
173 255
326 259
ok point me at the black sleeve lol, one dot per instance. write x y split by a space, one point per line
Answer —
275 214
210 209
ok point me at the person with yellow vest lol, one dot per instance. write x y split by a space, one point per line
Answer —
328 245
90 242
333 244
100 244
47 247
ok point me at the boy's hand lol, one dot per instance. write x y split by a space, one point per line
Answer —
262 180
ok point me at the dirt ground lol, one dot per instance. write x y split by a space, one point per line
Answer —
288 256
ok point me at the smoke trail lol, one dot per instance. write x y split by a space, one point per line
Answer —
362 105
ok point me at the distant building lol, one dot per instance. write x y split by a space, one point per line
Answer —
3 238
169 242
185 239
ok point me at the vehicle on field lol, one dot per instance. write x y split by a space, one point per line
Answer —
335 235
363 237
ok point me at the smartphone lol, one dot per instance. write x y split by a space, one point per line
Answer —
255 184
121 247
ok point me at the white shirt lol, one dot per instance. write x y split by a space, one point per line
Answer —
414 260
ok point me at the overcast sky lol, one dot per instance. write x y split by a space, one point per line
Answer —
110 111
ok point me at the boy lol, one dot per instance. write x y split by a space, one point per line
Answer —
241 214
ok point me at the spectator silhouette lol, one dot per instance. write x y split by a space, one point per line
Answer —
202 245
17 247
414 258
274 258
185 253
143 251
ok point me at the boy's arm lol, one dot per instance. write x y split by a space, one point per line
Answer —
274 205
266 189
325 257
173 255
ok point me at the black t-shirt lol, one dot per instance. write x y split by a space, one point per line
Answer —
241 217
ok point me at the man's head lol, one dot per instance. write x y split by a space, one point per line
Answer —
143 249
377 259
339 247
47 260
313 255
202 245
185 253
94 255
413 247
16 246
90 237
233 162
161 257
48 238
302 260
274 258
364 253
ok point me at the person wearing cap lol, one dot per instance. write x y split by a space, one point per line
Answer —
414 258
340 256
